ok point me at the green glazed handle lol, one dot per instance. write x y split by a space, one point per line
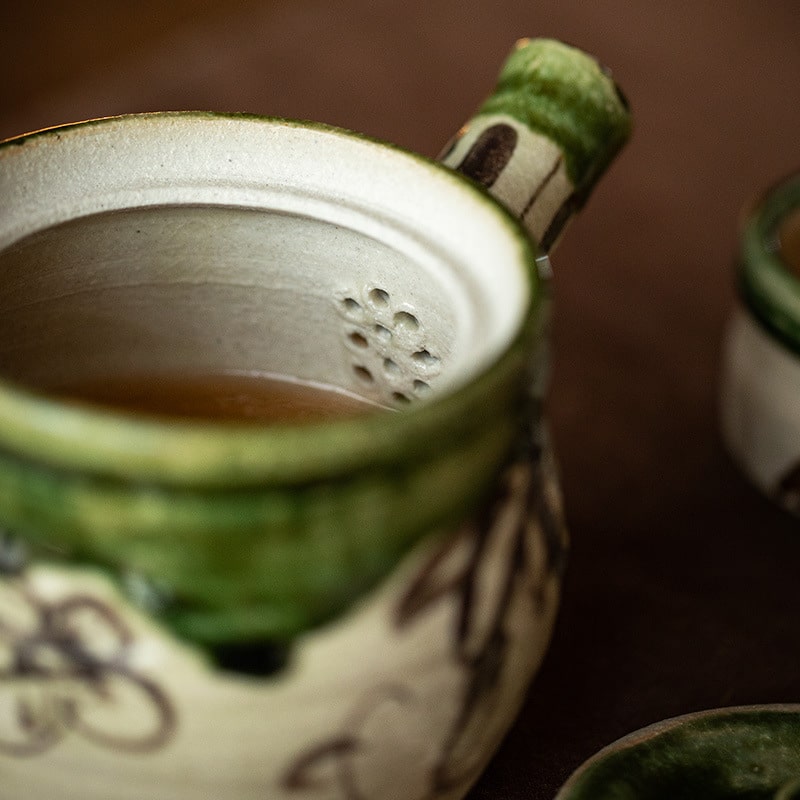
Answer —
541 141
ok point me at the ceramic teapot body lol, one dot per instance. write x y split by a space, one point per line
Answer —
340 609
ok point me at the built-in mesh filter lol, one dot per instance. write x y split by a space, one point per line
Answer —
388 343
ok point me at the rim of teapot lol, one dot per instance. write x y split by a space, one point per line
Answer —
45 430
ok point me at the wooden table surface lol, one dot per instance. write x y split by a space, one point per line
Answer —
682 590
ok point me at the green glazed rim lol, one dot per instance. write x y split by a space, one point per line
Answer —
767 286
722 754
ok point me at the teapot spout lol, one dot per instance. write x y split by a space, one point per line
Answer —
542 140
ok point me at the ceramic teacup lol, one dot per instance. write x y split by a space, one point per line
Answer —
350 608
721 754
761 373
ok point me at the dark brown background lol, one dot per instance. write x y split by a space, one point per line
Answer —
682 590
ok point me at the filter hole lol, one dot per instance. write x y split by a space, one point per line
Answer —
351 306
421 387
379 297
405 321
424 358
358 339
382 334
363 374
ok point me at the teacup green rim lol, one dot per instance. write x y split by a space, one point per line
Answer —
45 431
768 288
580 780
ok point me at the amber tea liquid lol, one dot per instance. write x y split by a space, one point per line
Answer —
225 397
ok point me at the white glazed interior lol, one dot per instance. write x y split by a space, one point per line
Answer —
328 257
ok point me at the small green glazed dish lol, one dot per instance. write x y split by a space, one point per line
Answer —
745 753
342 609
761 372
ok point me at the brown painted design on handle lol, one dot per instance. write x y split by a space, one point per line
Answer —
492 154
565 212
485 161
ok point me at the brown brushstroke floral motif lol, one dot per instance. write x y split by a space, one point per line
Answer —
64 669
518 511
340 751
